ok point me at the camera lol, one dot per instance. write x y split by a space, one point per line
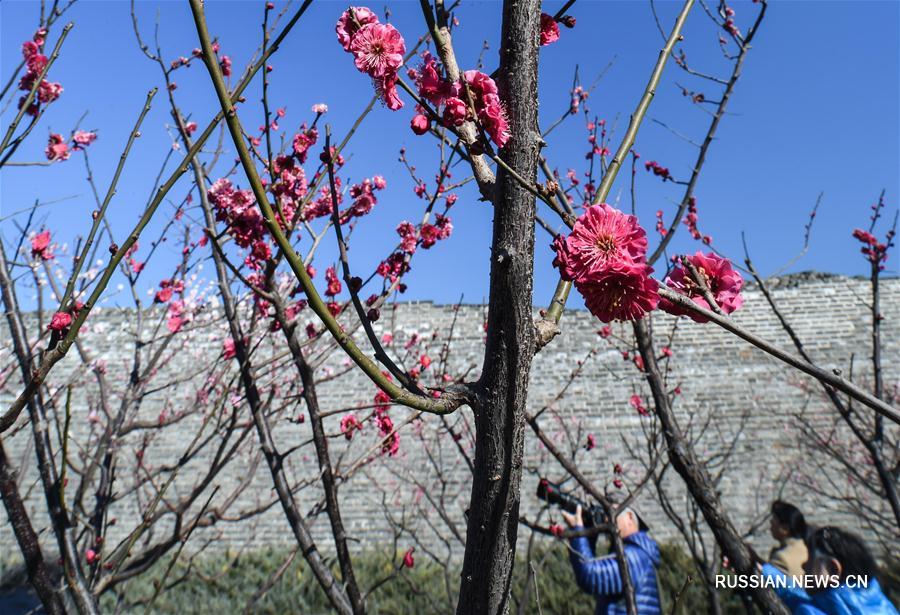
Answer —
553 494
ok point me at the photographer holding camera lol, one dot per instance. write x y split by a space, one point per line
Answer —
600 576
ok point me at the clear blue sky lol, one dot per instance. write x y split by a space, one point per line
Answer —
816 110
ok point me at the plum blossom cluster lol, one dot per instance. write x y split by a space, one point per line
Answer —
177 313
302 141
61 321
35 62
605 257
58 148
390 438
579 96
729 24
364 199
40 246
658 170
875 251
349 424
168 288
237 209
426 235
138 266
377 50
333 289
595 129
691 219
449 100
363 195
549 30
638 404
224 61
289 187
411 237
719 277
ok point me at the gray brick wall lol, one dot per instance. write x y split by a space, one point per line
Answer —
730 391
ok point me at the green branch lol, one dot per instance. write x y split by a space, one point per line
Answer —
447 403
558 302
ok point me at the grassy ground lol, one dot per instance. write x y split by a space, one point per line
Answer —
226 584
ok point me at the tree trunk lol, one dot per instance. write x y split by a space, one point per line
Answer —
502 390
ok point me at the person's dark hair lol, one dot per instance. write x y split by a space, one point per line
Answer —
847 548
790 518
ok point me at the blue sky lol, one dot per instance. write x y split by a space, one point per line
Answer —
816 111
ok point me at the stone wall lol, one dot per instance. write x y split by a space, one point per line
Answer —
732 395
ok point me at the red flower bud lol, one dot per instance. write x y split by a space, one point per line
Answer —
408 559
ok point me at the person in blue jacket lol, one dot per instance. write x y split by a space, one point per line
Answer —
840 578
601 578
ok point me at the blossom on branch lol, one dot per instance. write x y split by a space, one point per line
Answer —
717 274
391 444
40 246
408 559
658 170
377 50
488 106
874 251
620 292
386 87
35 62
604 256
638 404
334 284
455 100
237 208
229 350
225 65
303 140
83 138
454 111
350 23
60 322
349 423
549 29
57 148
420 124
602 236
432 86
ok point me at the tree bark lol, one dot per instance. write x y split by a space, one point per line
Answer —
502 389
